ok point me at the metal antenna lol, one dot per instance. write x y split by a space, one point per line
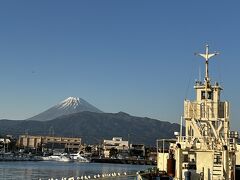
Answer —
199 74
207 56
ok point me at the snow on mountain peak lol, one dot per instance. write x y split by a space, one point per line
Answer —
71 102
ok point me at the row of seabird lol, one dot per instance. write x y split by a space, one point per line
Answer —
91 177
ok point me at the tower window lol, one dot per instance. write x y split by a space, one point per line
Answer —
209 95
203 95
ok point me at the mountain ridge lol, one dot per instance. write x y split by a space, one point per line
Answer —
93 127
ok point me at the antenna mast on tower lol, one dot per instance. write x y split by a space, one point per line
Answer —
207 56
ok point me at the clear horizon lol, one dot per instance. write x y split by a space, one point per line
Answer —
131 56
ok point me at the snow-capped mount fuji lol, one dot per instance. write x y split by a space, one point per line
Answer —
70 105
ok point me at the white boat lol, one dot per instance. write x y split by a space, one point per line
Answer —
77 157
61 157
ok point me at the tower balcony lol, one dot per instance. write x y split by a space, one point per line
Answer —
209 110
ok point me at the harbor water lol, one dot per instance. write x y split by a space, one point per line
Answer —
44 170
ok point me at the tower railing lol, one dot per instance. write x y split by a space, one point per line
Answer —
209 111
205 143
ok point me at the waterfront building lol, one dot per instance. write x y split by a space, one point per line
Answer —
116 143
137 150
5 140
49 142
4 143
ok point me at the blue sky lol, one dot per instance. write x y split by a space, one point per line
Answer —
132 56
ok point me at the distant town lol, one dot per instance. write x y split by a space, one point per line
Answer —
35 148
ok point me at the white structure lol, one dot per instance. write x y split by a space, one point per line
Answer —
4 142
238 155
116 143
207 151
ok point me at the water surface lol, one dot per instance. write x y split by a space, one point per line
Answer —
50 169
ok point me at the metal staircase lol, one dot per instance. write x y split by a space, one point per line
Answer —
217 172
